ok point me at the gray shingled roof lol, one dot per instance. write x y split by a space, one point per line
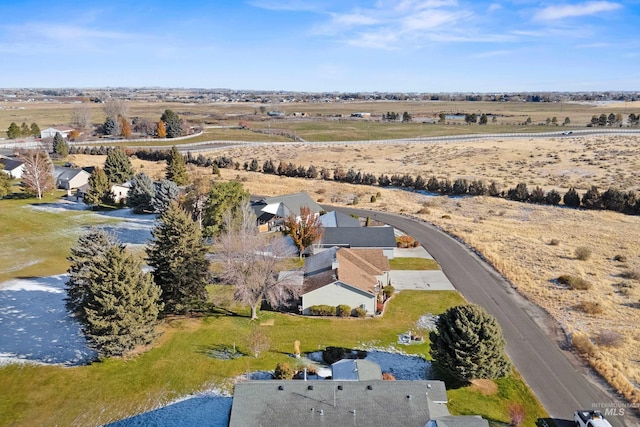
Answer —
293 202
10 164
359 237
461 421
355 370
336 403
338 219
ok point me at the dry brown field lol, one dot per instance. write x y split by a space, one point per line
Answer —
48 114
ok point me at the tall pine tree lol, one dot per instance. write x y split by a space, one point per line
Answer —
123 304
99 189
165 192
141 193
176 167
118 167
60 146
89 247
177 255
468 344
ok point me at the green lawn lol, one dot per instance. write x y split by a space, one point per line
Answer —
36 243
413 264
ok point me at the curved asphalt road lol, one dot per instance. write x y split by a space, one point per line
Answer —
560 382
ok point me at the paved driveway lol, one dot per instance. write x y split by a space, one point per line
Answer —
420 280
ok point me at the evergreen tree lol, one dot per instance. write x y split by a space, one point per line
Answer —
14 131
5 183
176 167
571 198
35 130
60 146
592 199
537 195
613 199
99 189
24 130
173 124
177 255
118 167
519 194
553 198
123 303
89 247
468 344
460 187
433 185
222 197
165 192
141 193
111 127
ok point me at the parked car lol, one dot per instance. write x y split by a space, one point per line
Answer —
567 132
584 418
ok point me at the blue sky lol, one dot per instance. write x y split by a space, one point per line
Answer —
323 45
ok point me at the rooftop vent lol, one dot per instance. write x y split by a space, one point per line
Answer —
369 387
409 396
280 387
340 387
310 387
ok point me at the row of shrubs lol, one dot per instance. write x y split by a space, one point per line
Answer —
341 310
612 199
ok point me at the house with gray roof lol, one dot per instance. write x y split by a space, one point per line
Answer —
352 277
335 403
271 211
358 238
12 167
70 178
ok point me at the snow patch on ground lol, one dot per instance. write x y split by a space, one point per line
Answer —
132 229
35 325
211 409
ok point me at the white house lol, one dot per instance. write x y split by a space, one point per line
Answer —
51 132
70 178
120 191
12 167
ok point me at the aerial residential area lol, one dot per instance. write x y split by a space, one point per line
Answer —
308 213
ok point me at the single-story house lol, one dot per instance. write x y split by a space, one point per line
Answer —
358 237
70 178
338 219
12 167
336 276
51 132
337 403
355 370
271 211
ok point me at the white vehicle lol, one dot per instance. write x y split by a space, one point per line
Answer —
584 418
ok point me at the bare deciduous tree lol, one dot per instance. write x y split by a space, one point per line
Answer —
38 173
251 260
81 117
115 108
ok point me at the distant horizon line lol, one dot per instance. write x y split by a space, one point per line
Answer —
218 89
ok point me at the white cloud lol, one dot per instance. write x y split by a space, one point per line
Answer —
354 19
491 54
288 5
556 12
494 6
